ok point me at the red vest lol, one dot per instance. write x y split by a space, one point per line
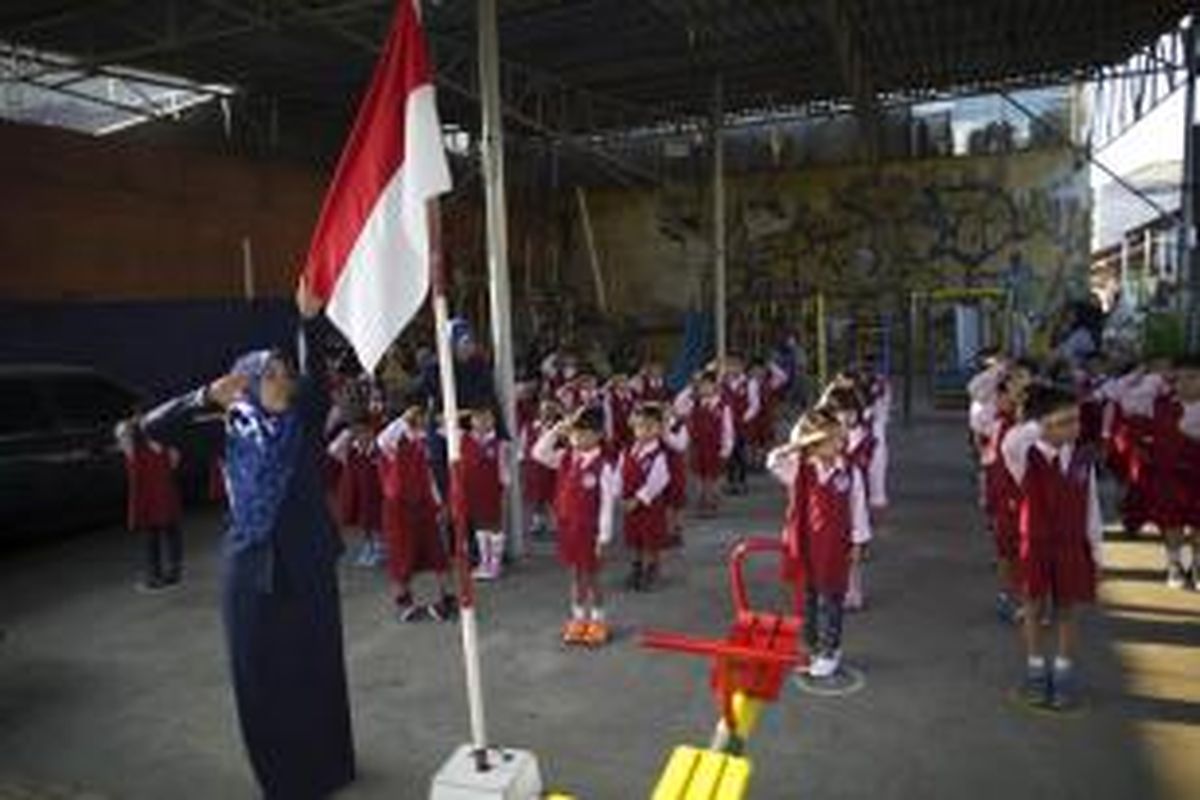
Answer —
818 529
153 498
1054 506
481 465
577 497
704 429
405 476
1000 489
620 405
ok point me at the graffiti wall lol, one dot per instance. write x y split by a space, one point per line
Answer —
1019 221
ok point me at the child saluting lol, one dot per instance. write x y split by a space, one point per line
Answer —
587 489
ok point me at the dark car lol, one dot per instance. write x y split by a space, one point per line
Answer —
60 467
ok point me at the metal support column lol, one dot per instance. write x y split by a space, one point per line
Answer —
500 293
719 277
1188 264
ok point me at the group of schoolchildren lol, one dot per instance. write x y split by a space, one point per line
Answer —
594 458
1040 435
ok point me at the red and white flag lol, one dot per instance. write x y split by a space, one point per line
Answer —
369 258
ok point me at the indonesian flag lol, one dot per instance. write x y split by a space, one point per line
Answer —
369 259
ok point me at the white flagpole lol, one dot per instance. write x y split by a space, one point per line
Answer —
467 619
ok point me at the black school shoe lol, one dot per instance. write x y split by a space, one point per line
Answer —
151 585
1064 690
407 611
635 581
649 578
444 610
1036 689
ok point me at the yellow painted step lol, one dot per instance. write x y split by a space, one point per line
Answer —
695 774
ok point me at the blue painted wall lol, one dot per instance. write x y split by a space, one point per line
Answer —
155 347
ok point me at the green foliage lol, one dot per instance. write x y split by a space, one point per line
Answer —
1164 335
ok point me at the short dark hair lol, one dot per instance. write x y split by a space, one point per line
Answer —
1045 398
588 418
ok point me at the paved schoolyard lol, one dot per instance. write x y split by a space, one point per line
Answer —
105 693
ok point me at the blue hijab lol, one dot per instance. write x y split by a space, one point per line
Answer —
261 452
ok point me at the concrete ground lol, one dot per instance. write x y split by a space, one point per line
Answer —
105 693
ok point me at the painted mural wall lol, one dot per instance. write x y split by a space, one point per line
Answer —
1020 221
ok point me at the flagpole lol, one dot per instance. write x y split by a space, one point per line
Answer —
468 622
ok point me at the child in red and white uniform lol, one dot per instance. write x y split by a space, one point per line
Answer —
826 527
619 401
1176 472
742 395
676 440
1000 496
359 499
587 490
711 431
411 512
1059 534
486 476
154 507
844 402
645 479
878 390
771 380
650 384
1131 441
537 480
582 391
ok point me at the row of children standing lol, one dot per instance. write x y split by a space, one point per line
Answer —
644 443
1040 440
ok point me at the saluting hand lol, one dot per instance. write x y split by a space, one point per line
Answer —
226 389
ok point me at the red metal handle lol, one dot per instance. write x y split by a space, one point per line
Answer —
737 559
715 648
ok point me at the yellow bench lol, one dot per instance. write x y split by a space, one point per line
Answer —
696 774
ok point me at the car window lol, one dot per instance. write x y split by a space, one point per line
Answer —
86 401
22 407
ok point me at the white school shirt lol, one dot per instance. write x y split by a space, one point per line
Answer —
677 439
659 477
785 466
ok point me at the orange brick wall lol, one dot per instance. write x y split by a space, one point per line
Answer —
86 219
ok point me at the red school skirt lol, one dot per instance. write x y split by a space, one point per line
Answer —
414 542
646 527
537 482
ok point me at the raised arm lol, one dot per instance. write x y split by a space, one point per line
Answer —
311 349
167 421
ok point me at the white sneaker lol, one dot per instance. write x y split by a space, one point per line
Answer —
1176 579
822 667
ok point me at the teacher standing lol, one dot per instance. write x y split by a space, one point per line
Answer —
280 598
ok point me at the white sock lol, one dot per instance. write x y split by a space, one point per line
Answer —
598 614
496 559
1037 662
578 613
1061 664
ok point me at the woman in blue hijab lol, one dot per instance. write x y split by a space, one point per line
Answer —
280 594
